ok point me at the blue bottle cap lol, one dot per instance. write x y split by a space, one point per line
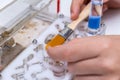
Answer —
94 22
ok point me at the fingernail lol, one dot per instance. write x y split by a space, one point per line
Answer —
74 16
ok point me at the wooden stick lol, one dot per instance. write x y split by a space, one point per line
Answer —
99 10
83 15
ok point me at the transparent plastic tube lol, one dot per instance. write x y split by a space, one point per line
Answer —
94 24
96 8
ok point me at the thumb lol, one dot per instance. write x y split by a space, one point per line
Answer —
57 53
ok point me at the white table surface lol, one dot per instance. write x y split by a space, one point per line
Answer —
112 21
4 3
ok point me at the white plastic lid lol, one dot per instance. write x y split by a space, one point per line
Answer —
14 11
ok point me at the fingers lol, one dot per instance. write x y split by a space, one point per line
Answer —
105 8
75 8
88 67
78 5
87 78
94 77
78 49
105 1
114 3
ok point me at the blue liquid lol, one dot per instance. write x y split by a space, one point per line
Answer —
94 22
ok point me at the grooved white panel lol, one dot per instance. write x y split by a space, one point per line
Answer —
12 13
4 3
